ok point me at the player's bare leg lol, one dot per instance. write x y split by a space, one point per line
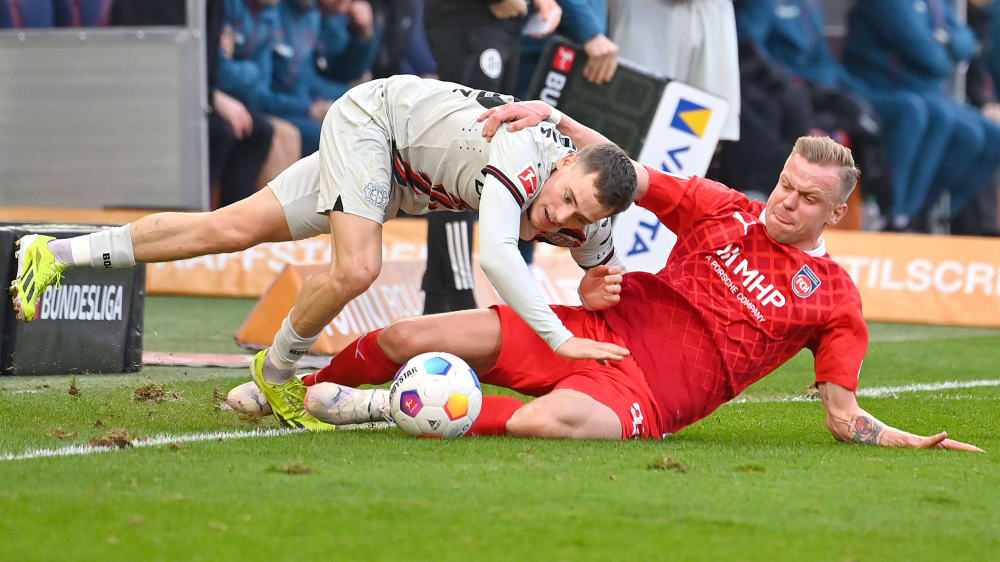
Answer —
567 414
154 238
355 263
246 223
473 335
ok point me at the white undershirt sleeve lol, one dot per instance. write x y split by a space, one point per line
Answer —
499 225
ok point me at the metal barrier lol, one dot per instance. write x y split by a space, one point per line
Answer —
104 117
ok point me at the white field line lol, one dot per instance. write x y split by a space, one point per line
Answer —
878 391
168 439
875 392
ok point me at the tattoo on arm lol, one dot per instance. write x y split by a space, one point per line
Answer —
865 429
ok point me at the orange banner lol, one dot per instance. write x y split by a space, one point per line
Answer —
902 277
249 273
395 295
921 278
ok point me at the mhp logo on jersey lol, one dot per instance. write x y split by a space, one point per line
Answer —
805 282
563 59
691 118
529 179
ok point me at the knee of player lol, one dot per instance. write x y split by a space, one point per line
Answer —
355 276
226 236
405 338
538 422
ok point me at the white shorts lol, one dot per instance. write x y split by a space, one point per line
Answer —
351 172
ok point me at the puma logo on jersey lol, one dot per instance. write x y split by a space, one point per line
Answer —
746 225
529 179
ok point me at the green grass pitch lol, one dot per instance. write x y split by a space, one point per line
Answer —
758 480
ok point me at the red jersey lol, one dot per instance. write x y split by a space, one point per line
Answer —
732 304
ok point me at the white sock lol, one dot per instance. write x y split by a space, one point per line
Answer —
106 249
287 349
339 405
378 407
61 247
274 373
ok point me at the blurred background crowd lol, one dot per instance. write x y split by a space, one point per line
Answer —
909 85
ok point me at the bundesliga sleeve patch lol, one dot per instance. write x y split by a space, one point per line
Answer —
805 282
529 179
505 181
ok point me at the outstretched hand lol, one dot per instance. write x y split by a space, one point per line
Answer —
601 286
517 116
582 348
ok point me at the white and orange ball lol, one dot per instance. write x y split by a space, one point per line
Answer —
435 395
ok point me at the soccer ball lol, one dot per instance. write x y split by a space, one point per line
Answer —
435 394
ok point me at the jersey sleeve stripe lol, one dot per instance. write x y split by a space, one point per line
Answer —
506 183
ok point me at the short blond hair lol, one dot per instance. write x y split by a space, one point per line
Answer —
825 151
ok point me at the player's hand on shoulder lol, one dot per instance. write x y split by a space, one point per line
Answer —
583 348
601 286
517 116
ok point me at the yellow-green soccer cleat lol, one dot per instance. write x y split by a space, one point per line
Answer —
287 399
37 269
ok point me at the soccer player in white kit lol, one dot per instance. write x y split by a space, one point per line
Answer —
402 143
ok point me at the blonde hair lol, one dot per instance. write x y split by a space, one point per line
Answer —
825 151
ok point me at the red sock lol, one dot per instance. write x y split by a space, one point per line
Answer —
361 362
493 417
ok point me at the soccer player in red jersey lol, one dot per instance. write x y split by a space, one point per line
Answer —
747 286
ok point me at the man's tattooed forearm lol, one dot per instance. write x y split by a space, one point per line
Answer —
865 429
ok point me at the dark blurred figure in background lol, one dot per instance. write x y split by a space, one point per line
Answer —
299 93
790 34
348 41
775 110
982 89
244 58
906 46
403 46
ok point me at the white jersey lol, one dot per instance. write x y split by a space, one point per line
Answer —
414 144
441 161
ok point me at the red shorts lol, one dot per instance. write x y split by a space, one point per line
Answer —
528 365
